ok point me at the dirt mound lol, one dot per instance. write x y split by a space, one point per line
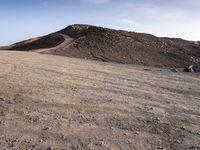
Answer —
104 44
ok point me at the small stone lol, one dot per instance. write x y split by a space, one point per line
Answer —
178 141
11 102
110 100
50 148
137 133
159 148
128 142
158 119
40 141
148 121
99 143
183 128
2 99
174 70
46 128
112 128
11 145
33 146
192 146
63 137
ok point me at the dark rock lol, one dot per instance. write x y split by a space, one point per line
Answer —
50 148
192 68
183 128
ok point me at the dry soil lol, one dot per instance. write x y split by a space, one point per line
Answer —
53 102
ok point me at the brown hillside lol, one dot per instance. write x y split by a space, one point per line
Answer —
104 44
48 41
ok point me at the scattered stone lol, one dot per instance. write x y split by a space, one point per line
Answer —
11 101
2 99
150 108
183 128
177 141
194 147
148 121
159 148
40 141
63 137
11 145
109 100
137 133
174 70
158 119
99 143
46 128
50 148
146 69
128 141
192 68
112 128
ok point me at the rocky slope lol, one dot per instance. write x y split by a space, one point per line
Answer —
91 42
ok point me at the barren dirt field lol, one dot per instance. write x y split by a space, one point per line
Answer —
53 102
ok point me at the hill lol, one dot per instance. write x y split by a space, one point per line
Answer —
97 43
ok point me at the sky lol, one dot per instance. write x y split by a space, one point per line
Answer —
23 19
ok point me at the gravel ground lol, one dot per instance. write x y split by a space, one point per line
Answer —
53 102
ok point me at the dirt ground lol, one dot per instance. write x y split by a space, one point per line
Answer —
52 102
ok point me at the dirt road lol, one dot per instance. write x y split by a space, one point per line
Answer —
52 102
64 44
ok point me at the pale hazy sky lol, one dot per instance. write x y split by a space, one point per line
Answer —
22 19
